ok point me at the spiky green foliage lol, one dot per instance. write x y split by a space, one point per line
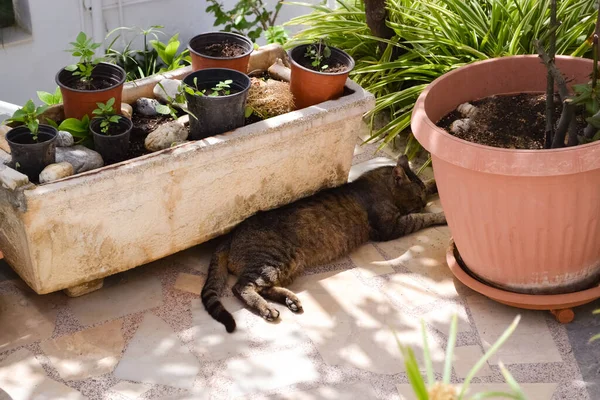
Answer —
437 36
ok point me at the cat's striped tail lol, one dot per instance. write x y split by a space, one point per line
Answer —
214 285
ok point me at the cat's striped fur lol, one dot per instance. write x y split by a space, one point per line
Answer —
268 250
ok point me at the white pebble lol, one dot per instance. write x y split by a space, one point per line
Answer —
467 110
460 125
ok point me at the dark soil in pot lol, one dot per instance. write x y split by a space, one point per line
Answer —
218 114
29 156
112 145
223 49
220 50
507 121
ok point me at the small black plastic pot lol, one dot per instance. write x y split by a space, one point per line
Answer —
31 157
112 148
215 115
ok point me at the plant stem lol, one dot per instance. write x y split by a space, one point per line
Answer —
563 91
274 18
595 49
573 139
567 115
550 79
376 15
590 130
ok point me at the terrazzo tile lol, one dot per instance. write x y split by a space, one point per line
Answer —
268 371
213 343
189 283
533 391
155 355
88 353
25 318
369 262
130 390
523 347
141 293
22 377
441 317
354 325
362 391
408 291
465 358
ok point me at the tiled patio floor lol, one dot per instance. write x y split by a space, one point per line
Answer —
146 335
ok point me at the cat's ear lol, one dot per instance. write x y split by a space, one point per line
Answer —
400 176
403 162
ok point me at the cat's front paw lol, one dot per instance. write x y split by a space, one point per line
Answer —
440 218
293 304
270 314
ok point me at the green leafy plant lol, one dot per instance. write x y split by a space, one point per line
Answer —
154 56
50 98
29 116
432 390
250 18
179 101
84 48
79 128
432 37
318 53
107 114
222 88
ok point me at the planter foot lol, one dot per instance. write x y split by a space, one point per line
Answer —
564 316
84 288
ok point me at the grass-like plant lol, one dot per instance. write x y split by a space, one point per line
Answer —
429 389
433 37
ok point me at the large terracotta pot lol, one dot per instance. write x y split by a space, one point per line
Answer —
523 220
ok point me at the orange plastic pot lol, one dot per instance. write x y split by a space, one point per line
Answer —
527 221
78 103
203 61
311 87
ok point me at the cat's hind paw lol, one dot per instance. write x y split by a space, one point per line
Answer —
293 304
270 314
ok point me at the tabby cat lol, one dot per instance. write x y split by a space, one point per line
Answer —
268 250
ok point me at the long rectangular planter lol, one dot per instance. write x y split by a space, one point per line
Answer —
71 233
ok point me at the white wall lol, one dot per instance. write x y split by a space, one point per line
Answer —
32 64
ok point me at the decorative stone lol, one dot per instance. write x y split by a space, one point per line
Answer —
126 110
5 158
81 158
460 125
171 87
55 172
64 139
3 143
56 113
146 106
468 110
88 353
11 179
165 135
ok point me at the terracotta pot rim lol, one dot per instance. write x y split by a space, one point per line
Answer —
246 82
296 64
50 130
440 139
528 301
121 80
244 38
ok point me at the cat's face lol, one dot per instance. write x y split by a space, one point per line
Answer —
410 194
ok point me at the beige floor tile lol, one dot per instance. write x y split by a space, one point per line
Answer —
434 205
533 391
523 347
85 354
24 319
155 355
190 283
130 390
212 342
408 290
354 325
269 371
465 358
440 318
22 377
369 262
362 391
140 292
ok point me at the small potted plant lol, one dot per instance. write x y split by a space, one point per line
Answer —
90 81
216 100
32 145
111 132
519 178
220 50
319 73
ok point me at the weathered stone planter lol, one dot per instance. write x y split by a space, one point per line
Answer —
71 233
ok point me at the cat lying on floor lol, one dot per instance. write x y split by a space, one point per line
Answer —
268 250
